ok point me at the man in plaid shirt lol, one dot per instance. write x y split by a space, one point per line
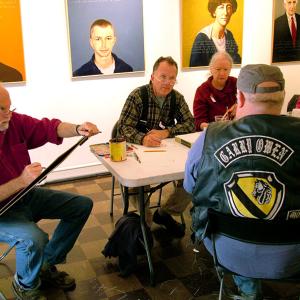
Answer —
167 115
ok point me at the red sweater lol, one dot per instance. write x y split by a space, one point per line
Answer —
210 102
24 133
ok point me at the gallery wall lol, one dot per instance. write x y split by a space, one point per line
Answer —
50 91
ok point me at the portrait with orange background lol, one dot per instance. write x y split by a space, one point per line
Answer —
11 51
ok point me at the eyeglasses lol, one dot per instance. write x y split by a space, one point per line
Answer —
163 79
7 111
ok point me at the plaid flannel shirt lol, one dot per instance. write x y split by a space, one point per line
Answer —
132 112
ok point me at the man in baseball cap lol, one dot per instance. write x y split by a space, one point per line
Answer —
260 90
260 79
246 168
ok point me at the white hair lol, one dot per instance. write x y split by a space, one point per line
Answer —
221 54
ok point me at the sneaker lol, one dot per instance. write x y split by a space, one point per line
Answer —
27 294
54 278
175 228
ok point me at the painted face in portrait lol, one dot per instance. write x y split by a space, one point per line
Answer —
223 13
290 6
102 41
220 71
5 109
163 79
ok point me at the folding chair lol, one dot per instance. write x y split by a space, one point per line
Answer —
252 231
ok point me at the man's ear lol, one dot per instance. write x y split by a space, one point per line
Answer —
240 98
152 77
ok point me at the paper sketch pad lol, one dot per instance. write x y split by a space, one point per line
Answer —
42 176
187 139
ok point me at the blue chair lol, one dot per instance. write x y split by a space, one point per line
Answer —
252 231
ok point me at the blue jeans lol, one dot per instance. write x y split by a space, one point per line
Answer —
33 248
250 288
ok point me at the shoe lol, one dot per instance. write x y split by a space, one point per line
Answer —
27 294
229 295
172 226
54 278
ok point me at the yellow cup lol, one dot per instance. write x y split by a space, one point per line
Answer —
117 149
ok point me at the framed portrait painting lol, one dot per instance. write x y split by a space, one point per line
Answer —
209 26
12 67
105 36
286 31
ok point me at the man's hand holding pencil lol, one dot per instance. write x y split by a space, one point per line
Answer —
230 113
154 137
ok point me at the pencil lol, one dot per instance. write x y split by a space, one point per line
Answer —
134 147
136 157
225 116
160 150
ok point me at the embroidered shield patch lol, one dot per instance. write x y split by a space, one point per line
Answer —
254 194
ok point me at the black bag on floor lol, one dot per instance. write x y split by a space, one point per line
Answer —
126 242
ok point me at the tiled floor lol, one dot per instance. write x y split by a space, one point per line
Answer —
180 274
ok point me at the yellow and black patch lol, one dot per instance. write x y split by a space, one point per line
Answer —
254 194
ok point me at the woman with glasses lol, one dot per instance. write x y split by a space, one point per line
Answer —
216 96
215 37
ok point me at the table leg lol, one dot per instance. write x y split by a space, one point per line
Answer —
146 242
112 197
126 200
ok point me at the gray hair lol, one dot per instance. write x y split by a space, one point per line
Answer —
269 99
220 54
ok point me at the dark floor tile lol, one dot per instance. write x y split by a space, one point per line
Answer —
203 283
134 295
161 273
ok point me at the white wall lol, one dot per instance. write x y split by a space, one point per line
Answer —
49 90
